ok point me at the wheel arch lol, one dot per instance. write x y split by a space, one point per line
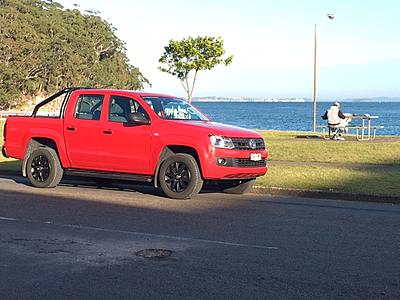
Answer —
170 150
36 143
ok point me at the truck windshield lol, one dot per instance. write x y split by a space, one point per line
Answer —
174 109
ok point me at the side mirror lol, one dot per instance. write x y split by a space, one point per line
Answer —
138 118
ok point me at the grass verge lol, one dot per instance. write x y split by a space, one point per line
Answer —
372 182
339 174
311 147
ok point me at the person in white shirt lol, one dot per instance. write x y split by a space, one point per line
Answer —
336 120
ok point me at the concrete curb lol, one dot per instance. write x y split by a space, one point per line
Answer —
274 191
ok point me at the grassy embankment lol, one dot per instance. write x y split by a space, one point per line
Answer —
306 161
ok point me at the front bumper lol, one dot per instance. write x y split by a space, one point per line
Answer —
4 152
238 164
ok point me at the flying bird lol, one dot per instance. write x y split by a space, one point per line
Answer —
331 16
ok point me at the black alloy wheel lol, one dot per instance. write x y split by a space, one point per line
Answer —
177 177
40 168
43 168
180 176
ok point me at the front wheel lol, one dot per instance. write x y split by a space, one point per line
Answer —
237 186
43 168
180 176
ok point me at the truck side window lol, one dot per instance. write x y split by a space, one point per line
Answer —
122 107
89 107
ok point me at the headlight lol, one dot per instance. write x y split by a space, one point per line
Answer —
221 142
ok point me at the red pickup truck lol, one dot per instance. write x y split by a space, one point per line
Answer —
117 134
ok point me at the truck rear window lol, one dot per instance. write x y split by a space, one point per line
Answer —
89 107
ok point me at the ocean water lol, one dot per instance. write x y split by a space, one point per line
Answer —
298 116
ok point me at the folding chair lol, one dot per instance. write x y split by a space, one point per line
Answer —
334 131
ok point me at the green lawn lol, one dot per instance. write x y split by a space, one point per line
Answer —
363 166
373 182
309 147
350 166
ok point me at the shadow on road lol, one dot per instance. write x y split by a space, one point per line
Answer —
88 183
11 170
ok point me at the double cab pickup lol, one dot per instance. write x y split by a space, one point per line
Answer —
118 134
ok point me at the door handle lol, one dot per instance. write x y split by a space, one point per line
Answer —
71 128
108 131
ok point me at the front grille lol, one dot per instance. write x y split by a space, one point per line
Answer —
247 163
244 144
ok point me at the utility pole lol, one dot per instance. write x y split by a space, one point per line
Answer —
330 17
315 78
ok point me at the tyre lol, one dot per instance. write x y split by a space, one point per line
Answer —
180 177
237 186
43 168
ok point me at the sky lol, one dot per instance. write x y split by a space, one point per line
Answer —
358 52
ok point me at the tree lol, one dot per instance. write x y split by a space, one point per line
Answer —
44 48
185 58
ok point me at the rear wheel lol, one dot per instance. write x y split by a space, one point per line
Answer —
180 176
237 186
43 168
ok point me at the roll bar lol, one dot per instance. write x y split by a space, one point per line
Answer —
66 91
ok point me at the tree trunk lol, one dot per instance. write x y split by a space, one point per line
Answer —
191 88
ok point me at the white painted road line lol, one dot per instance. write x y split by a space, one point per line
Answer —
7 219
171 237
145 234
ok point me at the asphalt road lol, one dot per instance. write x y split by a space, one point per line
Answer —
79 241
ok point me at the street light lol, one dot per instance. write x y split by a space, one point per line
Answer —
330 17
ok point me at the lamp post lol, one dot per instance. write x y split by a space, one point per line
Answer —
331 17
315 79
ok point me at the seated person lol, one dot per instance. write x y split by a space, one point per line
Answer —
336 119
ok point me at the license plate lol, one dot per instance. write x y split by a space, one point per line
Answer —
255 156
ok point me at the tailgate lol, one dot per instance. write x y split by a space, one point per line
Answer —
20 130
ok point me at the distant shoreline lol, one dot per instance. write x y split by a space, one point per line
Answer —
292 101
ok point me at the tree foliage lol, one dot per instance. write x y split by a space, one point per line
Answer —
189 56
44 47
